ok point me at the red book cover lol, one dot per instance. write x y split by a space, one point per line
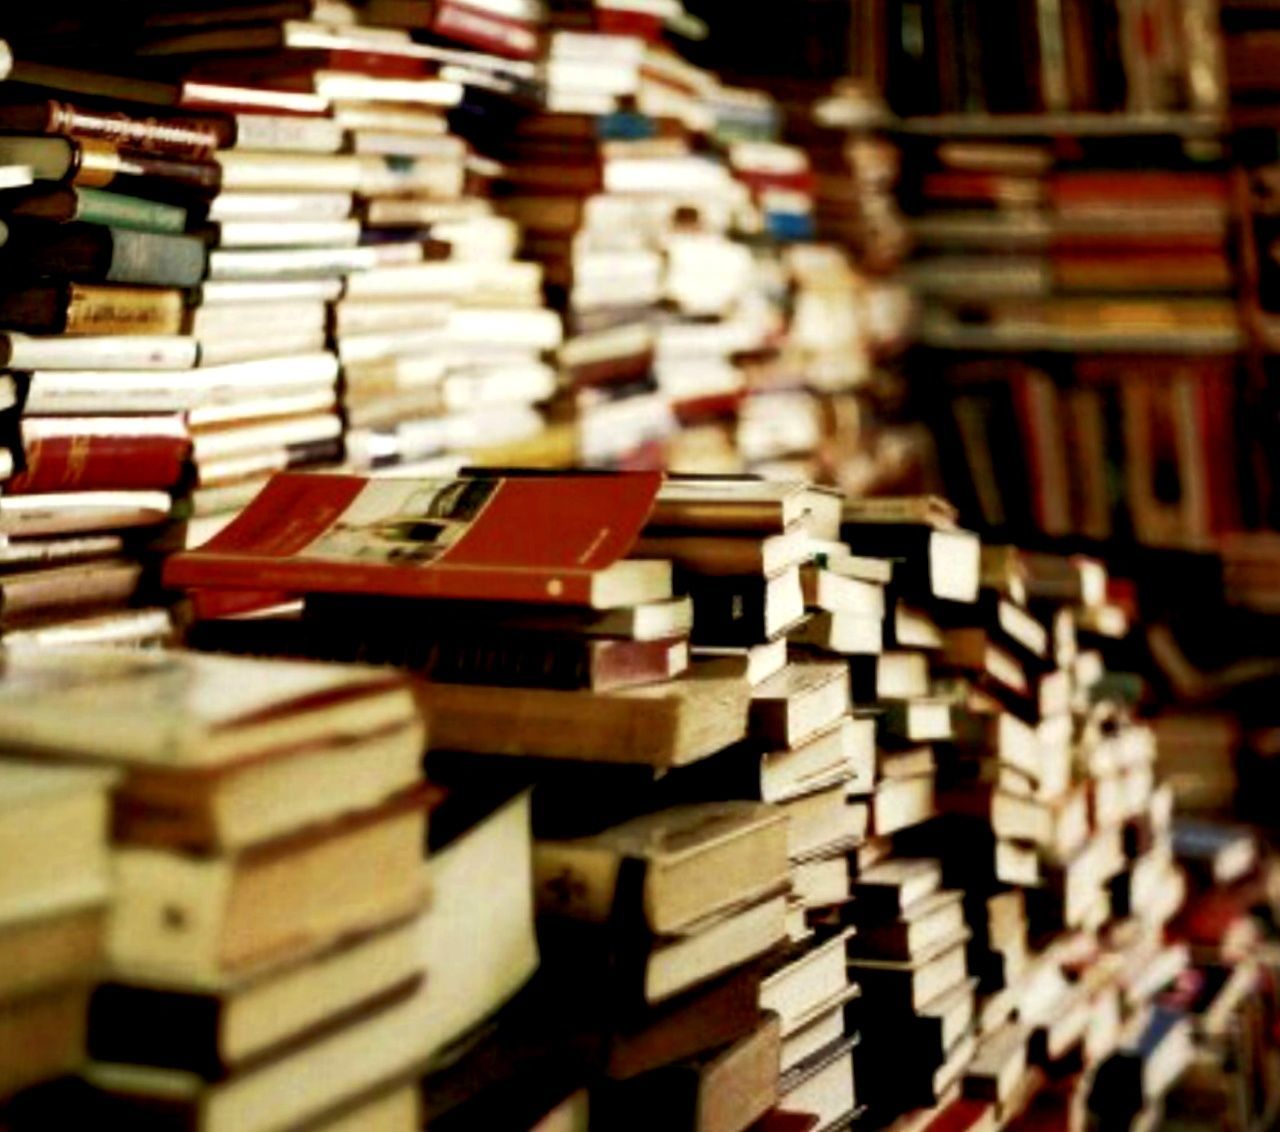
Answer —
759 181
74 455
1115 186
485 31
620 21
960 1115
544 539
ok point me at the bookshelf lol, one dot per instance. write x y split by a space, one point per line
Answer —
1000 290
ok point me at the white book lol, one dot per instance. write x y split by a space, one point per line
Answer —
288 233
110 352
280 206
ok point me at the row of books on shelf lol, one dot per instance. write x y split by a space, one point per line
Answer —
1105 447
1055 57
1106 244
743 806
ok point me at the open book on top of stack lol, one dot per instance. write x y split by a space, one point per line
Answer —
263 960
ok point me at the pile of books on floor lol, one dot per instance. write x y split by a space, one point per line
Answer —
263 960
817 809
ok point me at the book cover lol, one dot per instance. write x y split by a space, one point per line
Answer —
554 540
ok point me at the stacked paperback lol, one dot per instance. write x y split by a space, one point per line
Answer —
263 958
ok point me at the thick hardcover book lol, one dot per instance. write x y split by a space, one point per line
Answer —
101 453
660 725
90 253
174 710
723 1092
191 138
675 867
214 1034
556 540
338 1082
73 308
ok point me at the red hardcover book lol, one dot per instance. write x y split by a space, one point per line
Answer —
101 454
485 31
759 181
620 21
557 540
1066 189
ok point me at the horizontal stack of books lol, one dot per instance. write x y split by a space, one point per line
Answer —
347 220
264 963
1051 825
785 807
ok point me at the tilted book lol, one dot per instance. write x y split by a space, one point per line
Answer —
556 540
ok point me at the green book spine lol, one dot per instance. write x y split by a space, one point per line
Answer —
119 211
160 261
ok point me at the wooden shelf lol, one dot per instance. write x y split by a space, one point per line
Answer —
1051 125
1053 340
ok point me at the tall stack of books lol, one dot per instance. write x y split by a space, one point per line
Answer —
447 356
95 262
54 904
285 206
640 226
1049 823
263 952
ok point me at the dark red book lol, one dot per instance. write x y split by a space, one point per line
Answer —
101 454
1129 186
559 540
621 21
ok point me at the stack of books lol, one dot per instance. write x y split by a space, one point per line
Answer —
917 1009
857 790
638 188
263 951
1050 823
54 906
92 316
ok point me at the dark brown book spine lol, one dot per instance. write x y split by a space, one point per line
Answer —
187 138
99 165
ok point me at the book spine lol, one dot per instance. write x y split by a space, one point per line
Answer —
729 611
146 1026
100 165
73 587
114 210
164 261
484 31
576 880
291 134
148 135
93 463
123 310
